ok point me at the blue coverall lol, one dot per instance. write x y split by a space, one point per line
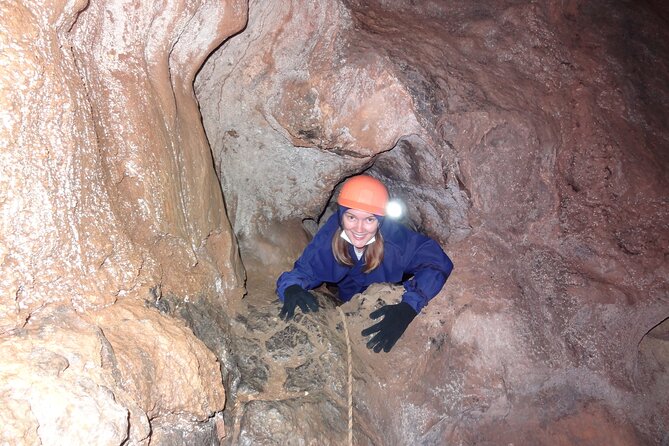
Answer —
406 253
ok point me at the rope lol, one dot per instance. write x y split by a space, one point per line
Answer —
350 379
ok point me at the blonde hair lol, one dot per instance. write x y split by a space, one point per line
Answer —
373 252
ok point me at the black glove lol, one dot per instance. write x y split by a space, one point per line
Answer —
296 296
390 329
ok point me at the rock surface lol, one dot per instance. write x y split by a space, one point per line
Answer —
107 377
106 186
108 198
138 65
530 140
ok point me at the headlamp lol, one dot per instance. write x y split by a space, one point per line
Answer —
395 209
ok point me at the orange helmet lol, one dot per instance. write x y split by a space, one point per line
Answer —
364 193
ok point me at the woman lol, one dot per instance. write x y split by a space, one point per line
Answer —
358 246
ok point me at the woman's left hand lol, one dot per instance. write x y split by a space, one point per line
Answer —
390 329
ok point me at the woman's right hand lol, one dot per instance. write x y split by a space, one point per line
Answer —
296 296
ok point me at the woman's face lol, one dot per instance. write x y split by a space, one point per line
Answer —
359 226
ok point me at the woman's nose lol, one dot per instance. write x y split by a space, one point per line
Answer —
358 226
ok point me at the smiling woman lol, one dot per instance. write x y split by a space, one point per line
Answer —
359 246
359 229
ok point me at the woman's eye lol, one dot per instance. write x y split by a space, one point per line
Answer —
371 219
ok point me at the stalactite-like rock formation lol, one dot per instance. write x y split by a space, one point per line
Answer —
108 200
138 65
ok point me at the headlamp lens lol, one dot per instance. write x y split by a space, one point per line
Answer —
394 209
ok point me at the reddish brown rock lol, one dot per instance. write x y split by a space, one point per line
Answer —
116 193
61 242
156 160
108 197
529 139
268 105
534 149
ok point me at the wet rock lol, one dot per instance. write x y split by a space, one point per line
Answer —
107 196
61 241
289 342
306 377
528 139
179 431
167 376
253 370
318 421
139 89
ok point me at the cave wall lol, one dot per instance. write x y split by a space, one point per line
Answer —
267 100
530 140
109 203
138 65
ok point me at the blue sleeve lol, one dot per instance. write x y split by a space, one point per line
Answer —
316 264
430 267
